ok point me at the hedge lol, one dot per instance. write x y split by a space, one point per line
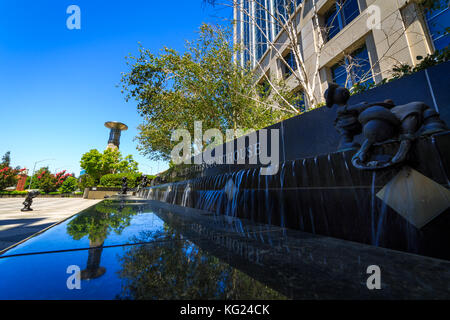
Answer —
115 180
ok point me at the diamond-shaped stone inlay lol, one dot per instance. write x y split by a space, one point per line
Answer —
415 197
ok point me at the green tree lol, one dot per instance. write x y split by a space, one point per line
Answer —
97 224
8 176
86 181
173 90
98 164
69 185
47 182
6 159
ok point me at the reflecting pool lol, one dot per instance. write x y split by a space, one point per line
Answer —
151 250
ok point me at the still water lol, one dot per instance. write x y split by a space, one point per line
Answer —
148 250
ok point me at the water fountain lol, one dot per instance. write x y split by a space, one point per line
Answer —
393 192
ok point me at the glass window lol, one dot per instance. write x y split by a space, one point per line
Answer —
353 69
261 31
438 21
350 10
290 60
246 39
361 68
284 8
339 73
332 23
340 14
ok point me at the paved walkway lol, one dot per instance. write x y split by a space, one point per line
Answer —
16 226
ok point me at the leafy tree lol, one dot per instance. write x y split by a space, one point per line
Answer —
35 181
115 179
97 224
49 182
8 177
6 159
173 90
98 164
86 181
69 185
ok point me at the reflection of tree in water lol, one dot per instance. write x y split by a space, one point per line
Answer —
107 216
97 224
173 268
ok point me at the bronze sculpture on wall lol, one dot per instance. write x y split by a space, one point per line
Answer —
380 122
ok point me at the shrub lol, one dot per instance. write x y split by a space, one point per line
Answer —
15 192
69 185
86 181
8 177
51 182
115 179
47 182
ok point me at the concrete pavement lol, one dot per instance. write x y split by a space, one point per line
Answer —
16 226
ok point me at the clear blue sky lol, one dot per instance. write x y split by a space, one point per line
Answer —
58 86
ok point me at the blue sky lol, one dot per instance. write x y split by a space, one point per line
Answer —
58 86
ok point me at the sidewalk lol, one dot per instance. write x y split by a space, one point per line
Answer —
16 226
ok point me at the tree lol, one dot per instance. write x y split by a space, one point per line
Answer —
98 164
69 185
8 177
173 90
48 182
6 159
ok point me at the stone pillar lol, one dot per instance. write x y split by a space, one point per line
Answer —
114 135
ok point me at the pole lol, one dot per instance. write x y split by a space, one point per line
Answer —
34 168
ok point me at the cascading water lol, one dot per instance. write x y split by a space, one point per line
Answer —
323 195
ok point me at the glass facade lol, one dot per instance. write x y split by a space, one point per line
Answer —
246 36
438 21
283 9
340 15
262 30
256 33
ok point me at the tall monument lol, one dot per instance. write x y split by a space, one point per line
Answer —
114 135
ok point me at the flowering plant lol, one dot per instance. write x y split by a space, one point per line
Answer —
49 182
8 177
